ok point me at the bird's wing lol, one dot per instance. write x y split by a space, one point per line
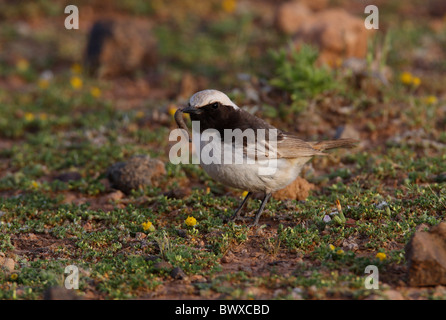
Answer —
289 146
272 143
332 144
279 145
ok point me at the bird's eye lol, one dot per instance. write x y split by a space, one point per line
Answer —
215 105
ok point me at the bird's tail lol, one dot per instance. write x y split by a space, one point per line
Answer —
332 144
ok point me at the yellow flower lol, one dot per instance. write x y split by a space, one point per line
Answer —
34 184
416 81
406 78
340 251
332 247
43 116
229 5
76 82
95 92
14 276
244 194
172 110
76 68
43 83
431 100
381 256
29 116
22 65
139 114
191 221
148 226
208 190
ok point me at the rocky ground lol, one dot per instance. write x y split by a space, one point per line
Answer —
85 177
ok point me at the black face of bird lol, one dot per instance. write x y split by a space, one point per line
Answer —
220 117
215 116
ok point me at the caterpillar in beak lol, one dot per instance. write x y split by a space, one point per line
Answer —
180 122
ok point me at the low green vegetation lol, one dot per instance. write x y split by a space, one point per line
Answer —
296 72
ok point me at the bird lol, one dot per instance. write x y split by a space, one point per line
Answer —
215 111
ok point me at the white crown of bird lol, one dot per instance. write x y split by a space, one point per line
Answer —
206 97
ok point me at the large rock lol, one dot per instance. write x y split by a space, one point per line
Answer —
426 256
297 190
120 47
291 16
336 33
315 5
137 173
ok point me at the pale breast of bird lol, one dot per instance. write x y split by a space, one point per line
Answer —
222 162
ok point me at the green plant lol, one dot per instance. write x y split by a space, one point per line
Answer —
164 244
296 72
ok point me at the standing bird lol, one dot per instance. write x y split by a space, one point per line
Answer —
214 110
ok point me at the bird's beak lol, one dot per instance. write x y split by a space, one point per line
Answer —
191 110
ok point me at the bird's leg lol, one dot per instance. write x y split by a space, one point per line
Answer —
239 209
262 206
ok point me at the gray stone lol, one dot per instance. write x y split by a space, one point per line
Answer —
137 173
163 266
177 273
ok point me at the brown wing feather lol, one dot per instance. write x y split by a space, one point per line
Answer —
289 146
332 144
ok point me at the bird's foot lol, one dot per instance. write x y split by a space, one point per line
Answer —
255 222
